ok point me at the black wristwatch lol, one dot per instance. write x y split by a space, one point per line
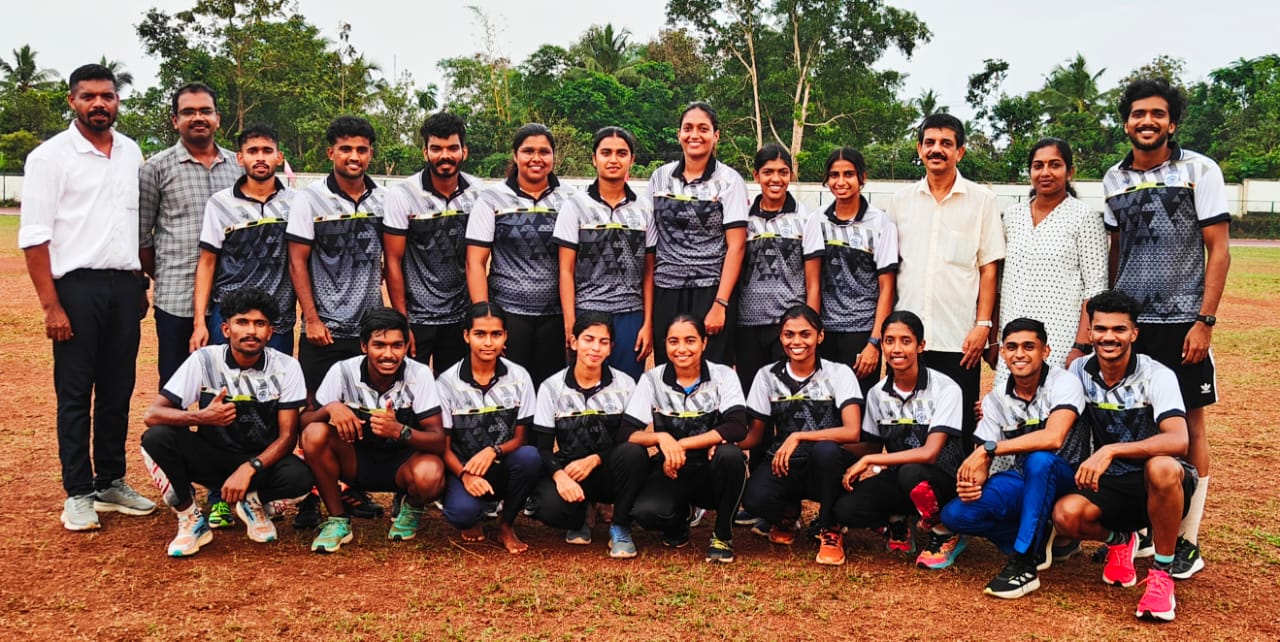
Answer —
990 447
1207 319
256 464
497 451
406 433
1084 348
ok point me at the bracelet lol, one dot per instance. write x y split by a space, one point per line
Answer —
497 451
986 323
722 302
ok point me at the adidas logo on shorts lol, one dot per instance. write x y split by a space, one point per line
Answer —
1206 388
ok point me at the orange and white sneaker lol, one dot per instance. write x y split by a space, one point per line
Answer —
784 533
193 532
830 547
257 523
1157 602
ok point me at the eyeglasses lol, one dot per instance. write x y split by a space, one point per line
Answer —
203 111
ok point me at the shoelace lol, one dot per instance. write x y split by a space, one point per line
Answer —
1158 583
621 537
937 540
829 538
720 544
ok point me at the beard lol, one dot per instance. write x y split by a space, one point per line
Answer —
87 120
449 170
1158 143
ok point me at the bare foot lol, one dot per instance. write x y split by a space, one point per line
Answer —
473 534
508 538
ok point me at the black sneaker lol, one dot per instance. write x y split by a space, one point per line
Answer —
1186 560
359 504
720 550
396 501
676 540
1018 578
1146 548
308 516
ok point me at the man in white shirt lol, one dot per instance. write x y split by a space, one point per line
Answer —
79 232
949 238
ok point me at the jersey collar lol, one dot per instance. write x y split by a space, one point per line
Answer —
1009 383
259 365
429 187
1095 369
593 190
706 173
857 218
514 183
331 182
788 206
1175 154
669 377
237 190
367 379
465 374
922 382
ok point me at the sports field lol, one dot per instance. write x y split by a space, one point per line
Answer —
117 583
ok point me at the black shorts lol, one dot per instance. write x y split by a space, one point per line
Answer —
1163 342
316 360
376 467
1123 498
439 346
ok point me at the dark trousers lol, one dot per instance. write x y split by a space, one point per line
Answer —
777 499
664 503
755 347
439 346
316 360
697 302
173 336
617 481
969 380
537 343
96 365
875 499
626 327
182 457
512 479
844 347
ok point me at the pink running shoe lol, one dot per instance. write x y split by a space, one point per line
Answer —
1119 569
927 505
1157 602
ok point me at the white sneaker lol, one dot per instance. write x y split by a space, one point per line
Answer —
193 532
78 513
119 497
257 523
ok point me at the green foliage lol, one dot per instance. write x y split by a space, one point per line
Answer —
14 148
43 112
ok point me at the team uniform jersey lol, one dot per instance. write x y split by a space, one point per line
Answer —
248 237
793 405
691 219
1132 409
857 252
611 243
434 226
412 396
259 392
1006 416
1159 214
346 251
524 275
478 417
903 423
584 422
660 401
778 244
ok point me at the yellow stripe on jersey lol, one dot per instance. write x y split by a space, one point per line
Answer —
262 221
344 217
434 215
483 411
539 209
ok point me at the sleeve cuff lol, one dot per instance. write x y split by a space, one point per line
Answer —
888 269
394 231
733 225
1214 220
429 412
173 399
294 238
483 244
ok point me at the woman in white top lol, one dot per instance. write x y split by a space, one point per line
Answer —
1056 255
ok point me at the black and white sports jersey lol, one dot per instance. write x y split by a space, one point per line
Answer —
857 252
259 393
248 237
1005 416
903 423
660 401
1132 409
479 417
412 396
435 253
691 219
778 244
611 243
1159 214
524 274
346 251
584 421
792 405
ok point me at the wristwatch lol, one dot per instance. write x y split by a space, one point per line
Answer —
256 464
1084 348
985 323
990 447
497 451
406 433
874 342
1207 319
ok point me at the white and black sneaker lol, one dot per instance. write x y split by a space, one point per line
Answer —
1186 560
1018 578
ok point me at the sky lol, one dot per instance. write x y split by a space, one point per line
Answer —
1113 35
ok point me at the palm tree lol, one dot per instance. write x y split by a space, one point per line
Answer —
604 50
23 74
124 77
927 104
1071 89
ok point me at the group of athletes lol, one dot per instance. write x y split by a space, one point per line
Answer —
507 374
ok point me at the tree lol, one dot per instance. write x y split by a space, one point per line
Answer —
1235 118
124 78
607 51
984 85
927 104
1072 89
23 74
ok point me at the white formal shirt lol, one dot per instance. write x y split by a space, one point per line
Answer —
942 245
83 203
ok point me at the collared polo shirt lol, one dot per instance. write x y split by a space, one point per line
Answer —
857 252
904 423
1160 214
611 243
1132 409
691 219
942 245
778 244
1005 415
478 417
346 250
805 405
83 203
248 237
273 383
174 188
435 254
412 395
524 275
660 401
584 421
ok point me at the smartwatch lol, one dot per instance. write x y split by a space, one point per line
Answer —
256 464
406 433
1207 319
990 447
1084 348
874 342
